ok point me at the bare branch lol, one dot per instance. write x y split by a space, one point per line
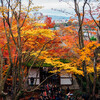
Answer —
26 13
83 11
92 16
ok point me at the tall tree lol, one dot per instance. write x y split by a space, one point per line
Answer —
23 37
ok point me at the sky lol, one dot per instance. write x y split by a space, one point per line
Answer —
48 5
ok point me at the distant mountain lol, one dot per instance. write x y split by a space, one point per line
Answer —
58 17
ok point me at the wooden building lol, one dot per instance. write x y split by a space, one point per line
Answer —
38 75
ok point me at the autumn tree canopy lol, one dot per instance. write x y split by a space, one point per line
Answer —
23 39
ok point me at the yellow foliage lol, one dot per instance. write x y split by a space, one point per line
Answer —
36 32
3 9
98 67
68 67
87 54
39 24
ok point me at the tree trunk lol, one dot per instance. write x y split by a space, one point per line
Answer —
81 40
86 77
95 77
95 70
1 66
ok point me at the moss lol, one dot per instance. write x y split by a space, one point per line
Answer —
93 38
65 61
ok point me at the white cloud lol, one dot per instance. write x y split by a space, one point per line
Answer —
55 4
52 4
